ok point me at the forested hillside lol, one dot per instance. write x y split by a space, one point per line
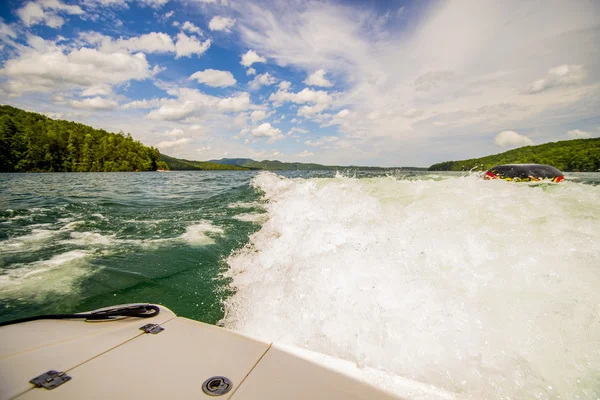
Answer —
567 155
31 142
176 164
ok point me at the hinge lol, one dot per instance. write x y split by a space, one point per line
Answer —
50 379
152 328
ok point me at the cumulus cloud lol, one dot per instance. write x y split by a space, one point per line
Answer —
284 85
219 23
46 67
512 139
305 153
7 30
266 130
258 115
142 104
192 102
295 129
563 75
306 95
46 12
265 79
214 78
174 132
343 113
461 94
188 45
318 79
95 103
250 71
169 144
97 90
190 27
156 4
578 134
251 57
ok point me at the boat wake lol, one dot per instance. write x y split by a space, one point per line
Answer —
482 288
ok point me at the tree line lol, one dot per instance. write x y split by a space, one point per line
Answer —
567 155
32 142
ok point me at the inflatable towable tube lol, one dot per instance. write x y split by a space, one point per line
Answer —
524 173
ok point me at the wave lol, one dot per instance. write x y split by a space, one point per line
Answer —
196 235
483 288
41 280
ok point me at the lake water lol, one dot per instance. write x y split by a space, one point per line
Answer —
483 288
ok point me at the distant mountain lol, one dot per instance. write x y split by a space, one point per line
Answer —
275 165
176 164
566 155
232 161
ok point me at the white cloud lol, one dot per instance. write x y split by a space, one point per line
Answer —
258 115
192 102
250 71
240 102
95 103
169 144
459 96
97 90
47 67
578 134
149 43
46 12
142 104
190 27
153 42
318 79
214 78
295 129
251 57
511 139
265 79
309 111
343 113
186 45
305 153
284 85
156 4
168 15
174 132
563 75
7 30
306 95
314 143
266 130
413 113
219 23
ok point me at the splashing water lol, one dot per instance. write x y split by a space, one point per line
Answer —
483 288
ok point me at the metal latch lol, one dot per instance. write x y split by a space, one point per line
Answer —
152 328
50 379
217 386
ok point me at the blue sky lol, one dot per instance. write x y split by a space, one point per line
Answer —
388 83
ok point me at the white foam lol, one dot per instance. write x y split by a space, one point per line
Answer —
33 241
258 218
42 279
91 238
196 235
483 288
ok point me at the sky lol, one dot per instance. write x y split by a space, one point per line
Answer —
388 83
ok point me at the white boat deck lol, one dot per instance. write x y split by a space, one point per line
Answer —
116 360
